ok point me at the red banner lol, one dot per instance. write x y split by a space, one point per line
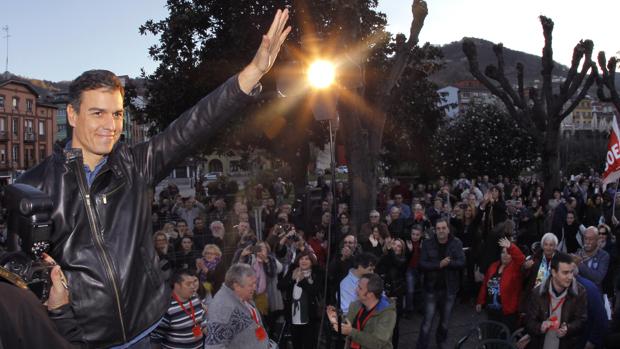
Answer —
612 159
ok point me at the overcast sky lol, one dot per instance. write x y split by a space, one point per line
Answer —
57 40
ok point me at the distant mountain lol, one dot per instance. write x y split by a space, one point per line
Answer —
457 69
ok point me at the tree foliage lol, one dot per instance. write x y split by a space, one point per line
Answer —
415 116
484 140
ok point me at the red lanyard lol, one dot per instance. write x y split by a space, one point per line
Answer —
557 305
260 332
195 329
355 345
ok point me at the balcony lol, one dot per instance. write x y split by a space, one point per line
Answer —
42 138
28 137
4 136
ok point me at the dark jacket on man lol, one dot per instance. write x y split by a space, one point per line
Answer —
574 314
102 234
429 263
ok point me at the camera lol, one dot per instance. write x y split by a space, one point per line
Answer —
29 228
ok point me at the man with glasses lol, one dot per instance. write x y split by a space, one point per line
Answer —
592 261
405 210
373 221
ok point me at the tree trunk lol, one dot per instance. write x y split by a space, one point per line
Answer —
551 160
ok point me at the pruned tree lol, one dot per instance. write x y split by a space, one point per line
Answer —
544 108
607 80
364 120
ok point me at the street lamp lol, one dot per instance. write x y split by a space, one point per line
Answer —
321 74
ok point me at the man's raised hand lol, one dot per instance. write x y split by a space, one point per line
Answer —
267 52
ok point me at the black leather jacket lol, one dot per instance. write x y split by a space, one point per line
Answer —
103 234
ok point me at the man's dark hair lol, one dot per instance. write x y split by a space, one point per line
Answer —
181 220
417 227
375 284
442 220
560 257
177 276
92 80
364 260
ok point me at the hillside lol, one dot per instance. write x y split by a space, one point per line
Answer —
456 66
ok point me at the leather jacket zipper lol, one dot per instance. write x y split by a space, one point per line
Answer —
98 237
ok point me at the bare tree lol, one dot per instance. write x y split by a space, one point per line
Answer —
544 109
364 120
607 80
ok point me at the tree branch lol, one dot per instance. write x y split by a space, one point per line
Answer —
469 48
403 54
499 75
586 49
520 82
608 69
580 96
547 61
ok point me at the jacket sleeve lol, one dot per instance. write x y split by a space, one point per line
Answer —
576 326
458 256
194 128
381 337
518 258
426 263
595 275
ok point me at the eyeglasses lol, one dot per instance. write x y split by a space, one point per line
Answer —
603 232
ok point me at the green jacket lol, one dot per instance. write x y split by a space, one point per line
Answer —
377 333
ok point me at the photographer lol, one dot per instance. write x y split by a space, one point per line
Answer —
25 324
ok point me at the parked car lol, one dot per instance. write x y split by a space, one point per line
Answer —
342 169
212 176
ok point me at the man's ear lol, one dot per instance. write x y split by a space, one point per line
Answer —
72 115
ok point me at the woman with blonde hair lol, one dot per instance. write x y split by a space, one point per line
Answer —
210 268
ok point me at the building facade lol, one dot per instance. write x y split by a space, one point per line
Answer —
27 128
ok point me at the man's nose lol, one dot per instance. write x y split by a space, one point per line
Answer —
109 122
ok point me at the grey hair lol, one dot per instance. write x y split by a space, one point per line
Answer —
237 273
375 284
591 228
549 236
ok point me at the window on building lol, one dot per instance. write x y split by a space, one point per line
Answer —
1 101
15 127
29 105
28 126
3 154
42 153
41 128
2 124
15 154
15 103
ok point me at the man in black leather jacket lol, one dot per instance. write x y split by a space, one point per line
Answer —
102 192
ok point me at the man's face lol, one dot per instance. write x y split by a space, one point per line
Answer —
325 206
362 289
99 123
564 275
438 204
187 287
374 217
394 213
245 291
161 242
182 228
590 240
349 241
326 218
199 224
442 230
398 199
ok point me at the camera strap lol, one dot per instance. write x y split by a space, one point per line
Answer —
12 278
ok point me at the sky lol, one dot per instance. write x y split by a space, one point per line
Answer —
57 40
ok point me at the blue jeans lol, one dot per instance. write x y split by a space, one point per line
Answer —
411 276
437 301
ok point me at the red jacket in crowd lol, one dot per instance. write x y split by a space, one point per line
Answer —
511 282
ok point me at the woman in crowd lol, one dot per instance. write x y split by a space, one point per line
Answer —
393 267
501 288
538 266
267 269
164 252
210 269
302 287
344 226
375 243
414 250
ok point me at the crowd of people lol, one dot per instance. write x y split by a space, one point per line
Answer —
492 243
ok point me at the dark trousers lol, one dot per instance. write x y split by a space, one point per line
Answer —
304 336
509 320
440 302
